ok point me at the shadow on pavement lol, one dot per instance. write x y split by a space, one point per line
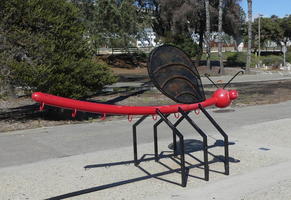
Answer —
190 146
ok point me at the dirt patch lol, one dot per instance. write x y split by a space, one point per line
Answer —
136 71
263 93
202 70
126 61
133 67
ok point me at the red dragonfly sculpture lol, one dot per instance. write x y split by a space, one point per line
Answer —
174 74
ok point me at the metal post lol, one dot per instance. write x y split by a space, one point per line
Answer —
156 137
259 31
284 49
226 151
135 139
181 138
174 135
204 136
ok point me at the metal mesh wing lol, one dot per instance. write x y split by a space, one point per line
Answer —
174 74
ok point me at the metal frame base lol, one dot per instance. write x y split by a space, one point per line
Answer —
176 133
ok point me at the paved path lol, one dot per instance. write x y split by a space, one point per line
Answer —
51 162
259 77
267 183
266 76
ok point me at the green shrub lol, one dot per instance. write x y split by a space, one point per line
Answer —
70 79
215 55
140 56
240 59
47 49
272 60
185 43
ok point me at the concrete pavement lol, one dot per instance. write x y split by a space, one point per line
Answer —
266 183
94 161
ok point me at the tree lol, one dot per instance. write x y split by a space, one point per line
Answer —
220 36
108 21
46 48
249 36
188 17
233 19
286 26
119 22
207 34
273 29
270 30
88 16
129 22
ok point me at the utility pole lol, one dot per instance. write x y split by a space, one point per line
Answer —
284 49
220 36
250 12
207 34
259 32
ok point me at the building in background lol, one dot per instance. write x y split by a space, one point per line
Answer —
147 38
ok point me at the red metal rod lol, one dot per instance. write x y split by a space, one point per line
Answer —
220 98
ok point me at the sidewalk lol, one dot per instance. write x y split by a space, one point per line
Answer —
259 77
259 169
266 183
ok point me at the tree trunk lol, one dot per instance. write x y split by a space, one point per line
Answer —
199 55
6 88
11 94
207 34
249 36
220 37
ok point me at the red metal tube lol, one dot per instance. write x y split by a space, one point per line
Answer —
221 98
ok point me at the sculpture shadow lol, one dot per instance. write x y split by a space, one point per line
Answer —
31 112
190 147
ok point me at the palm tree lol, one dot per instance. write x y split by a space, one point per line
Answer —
207 34
220 36
249 35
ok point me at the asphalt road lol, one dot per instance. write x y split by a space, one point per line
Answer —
27 146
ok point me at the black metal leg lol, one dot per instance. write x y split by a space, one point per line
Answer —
174 135
175 144
156 138
204 136
135 139
226 150
181 138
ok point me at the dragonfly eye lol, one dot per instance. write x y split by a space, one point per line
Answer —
233 94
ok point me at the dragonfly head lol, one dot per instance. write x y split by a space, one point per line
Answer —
224 97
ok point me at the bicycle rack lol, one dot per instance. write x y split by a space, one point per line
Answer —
176 133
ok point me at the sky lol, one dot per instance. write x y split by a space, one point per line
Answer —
269 7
